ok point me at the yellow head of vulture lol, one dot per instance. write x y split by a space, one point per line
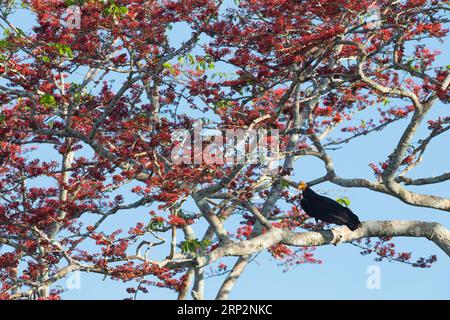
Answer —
302 186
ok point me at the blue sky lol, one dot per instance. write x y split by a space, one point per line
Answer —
343 274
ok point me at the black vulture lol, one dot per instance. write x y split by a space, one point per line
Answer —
326 209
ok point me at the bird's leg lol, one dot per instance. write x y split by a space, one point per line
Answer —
337 237
319 225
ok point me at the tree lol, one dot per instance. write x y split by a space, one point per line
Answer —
88 117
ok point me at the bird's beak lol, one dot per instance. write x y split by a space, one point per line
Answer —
302 186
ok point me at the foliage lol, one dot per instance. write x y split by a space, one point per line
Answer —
107 97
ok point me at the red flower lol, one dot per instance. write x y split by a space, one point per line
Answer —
177 221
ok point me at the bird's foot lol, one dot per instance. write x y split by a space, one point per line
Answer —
337 237
319 226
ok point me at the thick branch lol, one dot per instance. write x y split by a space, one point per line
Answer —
424 181
432 231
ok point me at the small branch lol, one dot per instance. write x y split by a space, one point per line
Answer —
424 181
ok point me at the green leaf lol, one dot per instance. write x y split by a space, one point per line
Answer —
63 49
115 11
21 32
343 201
284 184
123 10
192 245
48 101
154 225
69 3
191 59
4 44
45 59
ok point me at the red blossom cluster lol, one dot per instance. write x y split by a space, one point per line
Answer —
386 250
178 222
74 149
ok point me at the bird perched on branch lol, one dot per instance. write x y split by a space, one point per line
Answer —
326 209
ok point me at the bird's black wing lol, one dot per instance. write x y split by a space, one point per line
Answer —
318 208
343 217
328 210
330 202
306 205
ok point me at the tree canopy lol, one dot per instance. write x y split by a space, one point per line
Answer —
92 94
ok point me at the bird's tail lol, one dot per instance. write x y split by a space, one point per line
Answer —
353 222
